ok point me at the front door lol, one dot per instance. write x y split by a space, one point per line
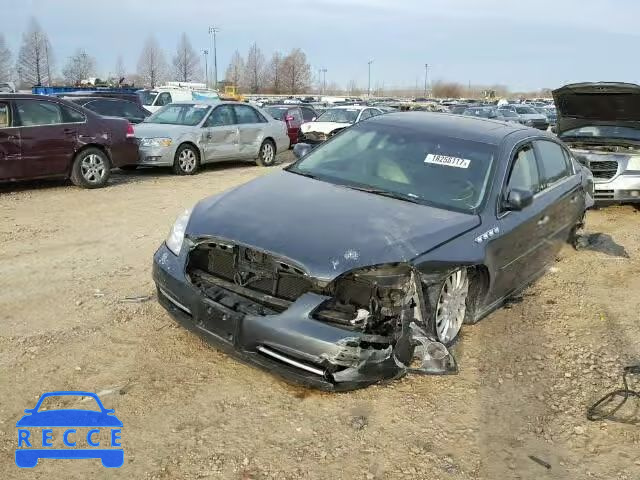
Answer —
220 135
10 155
48 140
251 130
519 251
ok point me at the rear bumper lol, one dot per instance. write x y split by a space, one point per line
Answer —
125 153
622 188
291 343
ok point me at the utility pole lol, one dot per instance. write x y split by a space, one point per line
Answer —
369 87
319 80
426 79
206 67
324 81
212 40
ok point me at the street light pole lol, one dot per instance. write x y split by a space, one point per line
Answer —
426 78
206 67
369 85
212 39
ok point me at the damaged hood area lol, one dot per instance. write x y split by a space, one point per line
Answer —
597 104
324 228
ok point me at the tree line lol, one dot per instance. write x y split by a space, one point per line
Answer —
35 65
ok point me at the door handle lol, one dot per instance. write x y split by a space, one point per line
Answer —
12 137
208 136
544 220
69 131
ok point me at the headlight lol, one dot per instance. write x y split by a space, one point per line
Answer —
176 235
155 142
528 122
634 163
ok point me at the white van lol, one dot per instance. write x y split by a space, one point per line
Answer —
154 100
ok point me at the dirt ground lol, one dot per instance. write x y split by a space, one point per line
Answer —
71 258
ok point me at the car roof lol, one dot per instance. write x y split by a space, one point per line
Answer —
450 125
9 96
350 107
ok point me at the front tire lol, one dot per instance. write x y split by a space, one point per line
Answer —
267 154
91 168
450 305
186 161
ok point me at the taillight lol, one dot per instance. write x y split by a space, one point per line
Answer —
130 132
289 118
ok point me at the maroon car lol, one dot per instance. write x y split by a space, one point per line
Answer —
294 116
42 136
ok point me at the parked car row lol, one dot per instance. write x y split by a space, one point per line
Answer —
47 136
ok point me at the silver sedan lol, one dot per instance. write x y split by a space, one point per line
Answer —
185 135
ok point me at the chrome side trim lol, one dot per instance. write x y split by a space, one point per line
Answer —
290 361
174 301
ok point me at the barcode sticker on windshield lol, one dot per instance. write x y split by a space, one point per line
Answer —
447 161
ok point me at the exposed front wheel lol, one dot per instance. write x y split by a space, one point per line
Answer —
451 306
267 154
187 160
91 169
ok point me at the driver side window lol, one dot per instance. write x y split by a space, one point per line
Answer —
221 116
524 171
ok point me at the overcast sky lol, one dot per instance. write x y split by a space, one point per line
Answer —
525 45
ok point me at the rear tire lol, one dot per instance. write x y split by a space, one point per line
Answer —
186 161
267 154
91 168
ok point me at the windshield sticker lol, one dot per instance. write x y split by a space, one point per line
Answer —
447 161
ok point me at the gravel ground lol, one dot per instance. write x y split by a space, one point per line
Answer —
71 258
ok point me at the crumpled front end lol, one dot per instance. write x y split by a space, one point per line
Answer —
364 327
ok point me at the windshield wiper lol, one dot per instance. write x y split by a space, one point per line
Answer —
386 193
304 174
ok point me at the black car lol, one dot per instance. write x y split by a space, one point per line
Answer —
370 252
112 107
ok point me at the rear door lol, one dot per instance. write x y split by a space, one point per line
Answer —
220 134
562 191
519 249
10 150
48 136
251 128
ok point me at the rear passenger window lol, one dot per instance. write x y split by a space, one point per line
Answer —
36 112
4 115
246 114
72 116
553 162
524 172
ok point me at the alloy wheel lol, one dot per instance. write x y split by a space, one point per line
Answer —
187 160
452 306
267 153
93 168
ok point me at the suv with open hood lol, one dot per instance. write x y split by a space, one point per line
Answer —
600 122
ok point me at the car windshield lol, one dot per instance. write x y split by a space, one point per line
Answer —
277 112
525 110
180 114
603 131
147 96
409 163
69 402
339 115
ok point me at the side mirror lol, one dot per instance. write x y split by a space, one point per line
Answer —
301 149
517 199
314 119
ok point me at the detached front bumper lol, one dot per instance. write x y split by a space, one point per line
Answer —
622 188
291 343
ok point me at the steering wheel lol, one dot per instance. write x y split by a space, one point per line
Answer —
466 190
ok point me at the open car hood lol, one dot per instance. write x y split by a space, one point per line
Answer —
603 103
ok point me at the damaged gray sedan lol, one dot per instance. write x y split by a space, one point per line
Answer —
362 261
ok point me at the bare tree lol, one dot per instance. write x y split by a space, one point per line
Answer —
152 66
5 61
255 69
235 70
186 62
353 89
273 73
442 89
296 72
120 70
79 67
34 57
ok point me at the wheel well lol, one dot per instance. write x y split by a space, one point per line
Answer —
479 284
191 144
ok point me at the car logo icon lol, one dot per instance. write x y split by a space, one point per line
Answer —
69 433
